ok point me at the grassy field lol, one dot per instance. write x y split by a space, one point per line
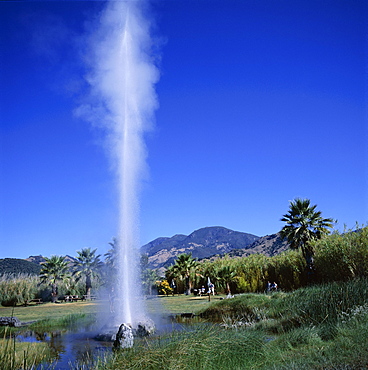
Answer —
321 327
180 304
49 310
171 304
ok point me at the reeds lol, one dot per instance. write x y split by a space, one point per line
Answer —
320 327
17 289
16 355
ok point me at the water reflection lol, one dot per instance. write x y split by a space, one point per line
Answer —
70 348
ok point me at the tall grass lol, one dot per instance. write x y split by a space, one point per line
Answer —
15 355
323 305
17 289
64 322
205 348
340 257
322 327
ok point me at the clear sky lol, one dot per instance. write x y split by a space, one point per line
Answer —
260 102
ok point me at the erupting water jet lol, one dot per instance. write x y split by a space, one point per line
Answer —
122 83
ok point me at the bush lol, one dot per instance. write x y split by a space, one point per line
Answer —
342 256
324 304
17 289
288 270
163 287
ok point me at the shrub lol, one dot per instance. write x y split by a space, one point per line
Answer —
342 256
163 287
17 289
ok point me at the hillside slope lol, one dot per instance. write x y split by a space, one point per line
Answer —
268 245
18 266
202 243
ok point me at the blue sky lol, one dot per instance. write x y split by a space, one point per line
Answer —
260 102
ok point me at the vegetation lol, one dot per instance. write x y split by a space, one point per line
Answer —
17 289
320 327
55 269
304 224
111 260
338 256
323 326
341 257
89 266
49 310
184 269
16 355
148 276
18 266
301 326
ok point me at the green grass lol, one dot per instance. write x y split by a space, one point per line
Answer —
49 310
321 327
180 304
16 355
217 348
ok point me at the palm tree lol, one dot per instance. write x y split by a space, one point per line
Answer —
88 265
304 224
224 276
112 254
148 276
53 270
172 274
186 266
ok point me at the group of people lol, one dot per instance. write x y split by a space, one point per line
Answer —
211 290
271 287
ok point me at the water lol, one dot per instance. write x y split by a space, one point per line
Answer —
123 78
70 348
76 348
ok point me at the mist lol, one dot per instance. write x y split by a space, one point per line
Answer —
121 102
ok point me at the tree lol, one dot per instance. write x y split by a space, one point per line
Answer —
185 267
304 224
111 264
173 277
53 270
148 276
88 265
225 275
112 254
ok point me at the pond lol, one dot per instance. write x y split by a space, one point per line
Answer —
77 348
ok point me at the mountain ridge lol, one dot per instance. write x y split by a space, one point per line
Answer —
204 243
201 243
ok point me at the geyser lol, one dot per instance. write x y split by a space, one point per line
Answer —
122 88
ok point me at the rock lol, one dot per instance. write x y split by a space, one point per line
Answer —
124 337
108 334
145 328
188 314
10 321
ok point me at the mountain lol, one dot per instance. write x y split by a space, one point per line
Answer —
268 245
31 265
18 266
40 259
36 259
201 243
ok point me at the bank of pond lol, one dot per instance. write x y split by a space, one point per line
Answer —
317 327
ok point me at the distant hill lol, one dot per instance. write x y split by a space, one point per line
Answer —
18 266
201 243
269 245
36 259
30 265
40 259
